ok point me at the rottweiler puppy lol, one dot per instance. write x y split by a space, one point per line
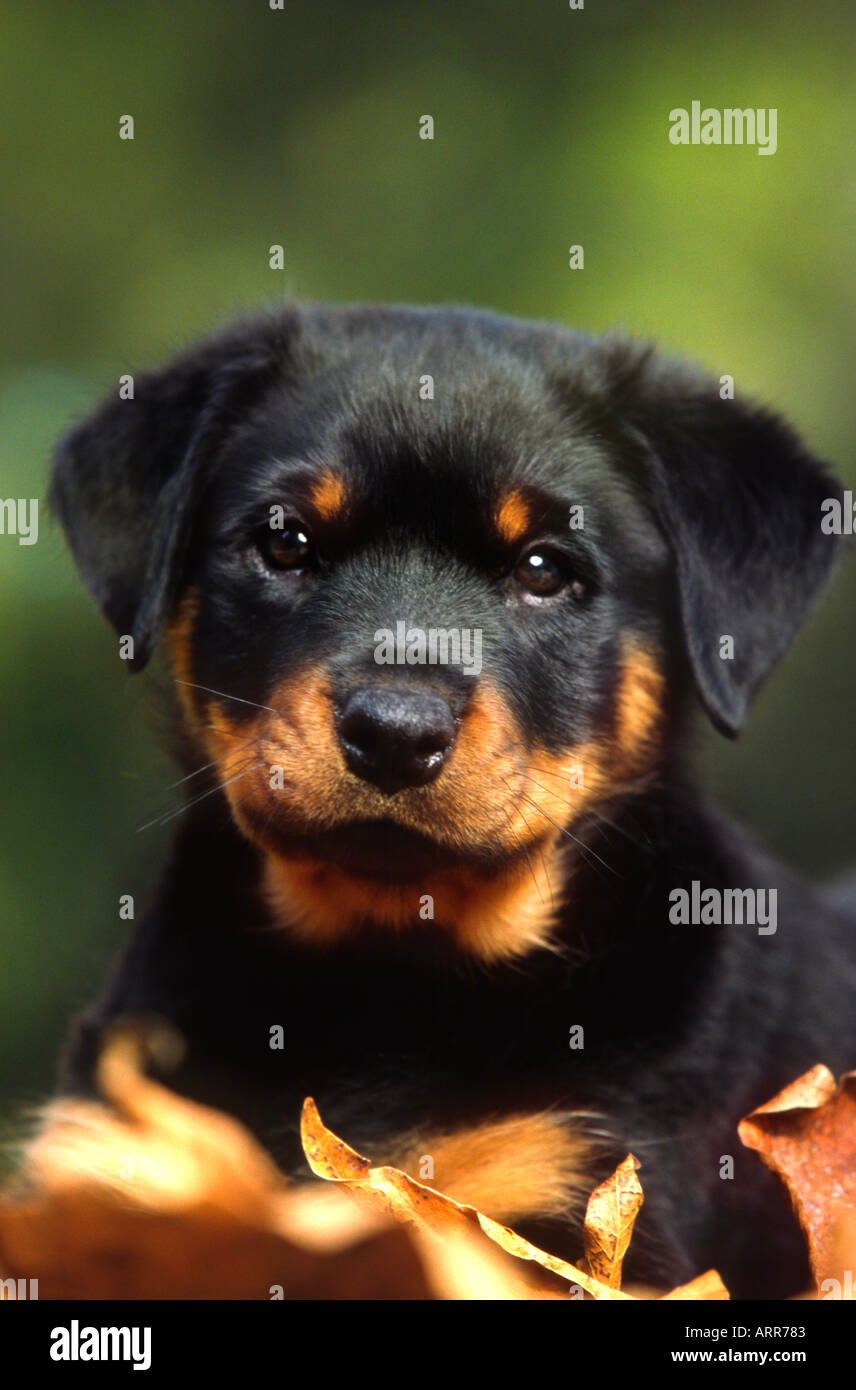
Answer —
439 592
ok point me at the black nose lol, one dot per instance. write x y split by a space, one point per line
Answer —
394 738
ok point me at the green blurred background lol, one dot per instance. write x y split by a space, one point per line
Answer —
256 126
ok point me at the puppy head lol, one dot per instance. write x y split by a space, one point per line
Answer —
435 584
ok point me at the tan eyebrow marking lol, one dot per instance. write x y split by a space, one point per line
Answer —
511 517
328 495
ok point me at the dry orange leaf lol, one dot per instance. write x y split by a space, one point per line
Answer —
392 1191
160 1198
807 1135
403 1197
154 1196
611 1211
707 1287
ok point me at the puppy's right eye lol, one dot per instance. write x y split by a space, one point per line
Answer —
286 549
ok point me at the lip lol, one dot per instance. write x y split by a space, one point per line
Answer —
379 850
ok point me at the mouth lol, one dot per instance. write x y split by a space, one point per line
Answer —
378 874
379 850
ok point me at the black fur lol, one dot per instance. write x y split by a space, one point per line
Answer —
702 518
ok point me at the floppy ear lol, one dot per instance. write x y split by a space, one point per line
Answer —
739 501
126 480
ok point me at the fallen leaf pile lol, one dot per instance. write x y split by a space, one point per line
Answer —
152 1196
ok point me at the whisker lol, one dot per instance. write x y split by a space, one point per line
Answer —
568 804
519 745
563 830
223 696
185 806
525 848
213 763
597 817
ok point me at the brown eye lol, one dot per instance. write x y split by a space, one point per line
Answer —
542 573
288 549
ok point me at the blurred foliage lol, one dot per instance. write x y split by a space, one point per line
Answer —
256 126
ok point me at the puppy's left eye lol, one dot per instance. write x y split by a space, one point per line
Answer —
543 573
288 549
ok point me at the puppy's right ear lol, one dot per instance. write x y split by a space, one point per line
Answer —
126 480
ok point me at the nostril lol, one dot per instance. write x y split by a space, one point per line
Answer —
358 729
395 738
435 742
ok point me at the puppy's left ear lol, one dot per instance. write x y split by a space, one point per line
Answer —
739 501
